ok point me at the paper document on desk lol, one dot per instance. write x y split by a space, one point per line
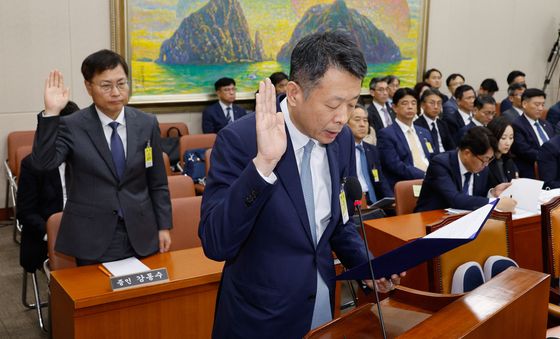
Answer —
125 266
526 192
453 235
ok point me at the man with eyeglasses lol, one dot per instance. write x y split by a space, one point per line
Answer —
118 202
219 115
459 179
431 102
484 111
379 115
515 92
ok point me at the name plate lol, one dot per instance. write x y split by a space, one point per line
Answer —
146 278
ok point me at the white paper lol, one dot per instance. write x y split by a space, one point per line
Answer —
547 195
464 227
521 213
456 211
126 266
526 192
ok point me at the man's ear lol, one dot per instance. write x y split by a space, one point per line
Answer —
294 93
88 87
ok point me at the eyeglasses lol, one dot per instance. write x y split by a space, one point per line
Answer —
227 89
434 103
107 87
484 162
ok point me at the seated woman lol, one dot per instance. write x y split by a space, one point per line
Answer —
502 168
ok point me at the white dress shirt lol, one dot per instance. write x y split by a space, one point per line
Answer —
463 170
438 142
405 129
361 177
466 116
107 130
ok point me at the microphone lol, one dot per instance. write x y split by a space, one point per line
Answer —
353 192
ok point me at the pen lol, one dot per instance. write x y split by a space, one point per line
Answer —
104 270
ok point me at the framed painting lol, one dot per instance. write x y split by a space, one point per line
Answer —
177 49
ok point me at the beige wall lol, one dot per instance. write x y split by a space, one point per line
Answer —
478 38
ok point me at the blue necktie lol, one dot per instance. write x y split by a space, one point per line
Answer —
541 132
365 173
435 138
322 307
117 150
466 184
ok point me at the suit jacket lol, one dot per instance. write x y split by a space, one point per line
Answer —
505 105
454 121
509 168
526 145
262 232
381 186
214 119
549 163
553 115
511 114
375 119
39 196
96 194
442 186
450 106
396 158
459 135
445 135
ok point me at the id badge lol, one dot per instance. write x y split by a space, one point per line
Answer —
429 147
343 206
375 173
148 159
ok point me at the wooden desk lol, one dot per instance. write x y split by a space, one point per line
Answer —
388 233
83 305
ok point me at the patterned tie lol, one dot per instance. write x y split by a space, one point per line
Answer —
465 189
228 114
542 134
365 173
322 307
387 117
117 150
435 137
416 151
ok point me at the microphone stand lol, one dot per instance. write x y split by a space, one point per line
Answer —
552 61
358 206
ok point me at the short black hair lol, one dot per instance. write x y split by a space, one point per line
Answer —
478 140
498 126
277 77
314 54
101 61
461 90
490 85
375 80
429 72
452 77
223 82
514 74
390 78
482 100
429 92
70 108
531 93
418 87
515 87
402 92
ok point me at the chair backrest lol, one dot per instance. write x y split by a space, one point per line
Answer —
495 238
16 140
405 199
207 155
186 217
167 164
57 260
180 186
21 153
193 141
550 223
165 126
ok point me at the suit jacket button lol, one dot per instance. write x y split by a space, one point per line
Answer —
311 297
115 212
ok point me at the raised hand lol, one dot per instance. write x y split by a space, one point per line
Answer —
271 133
56 95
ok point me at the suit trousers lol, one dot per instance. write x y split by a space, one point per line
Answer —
120 247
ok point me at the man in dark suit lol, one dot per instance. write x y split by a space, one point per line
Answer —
217 116
368 165
465 96
405 148
453 81
271 206
484 112
514 77
379 114
459 179
40 195
549 163
530 132
118 201
515 92
431 106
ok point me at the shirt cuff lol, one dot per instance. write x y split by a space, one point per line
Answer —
271 179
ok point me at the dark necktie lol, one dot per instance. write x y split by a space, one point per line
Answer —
541 132
467 182
365 173
228 114
435 137
117 150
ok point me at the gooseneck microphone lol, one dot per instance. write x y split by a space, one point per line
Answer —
353 192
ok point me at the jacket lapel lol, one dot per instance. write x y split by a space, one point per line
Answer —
455 170
402 143
95 132
334 171
132 135
529 129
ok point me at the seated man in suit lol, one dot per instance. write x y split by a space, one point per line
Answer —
488 87
465 96
393 84
515 92
530 132
453 81
368 166
553 115
217 116
548 159
405 149
379 115
459 179
514 77
40 195
484 112
430 102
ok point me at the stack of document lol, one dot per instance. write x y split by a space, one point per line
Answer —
125 267
527 193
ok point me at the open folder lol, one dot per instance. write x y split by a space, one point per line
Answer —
455 234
